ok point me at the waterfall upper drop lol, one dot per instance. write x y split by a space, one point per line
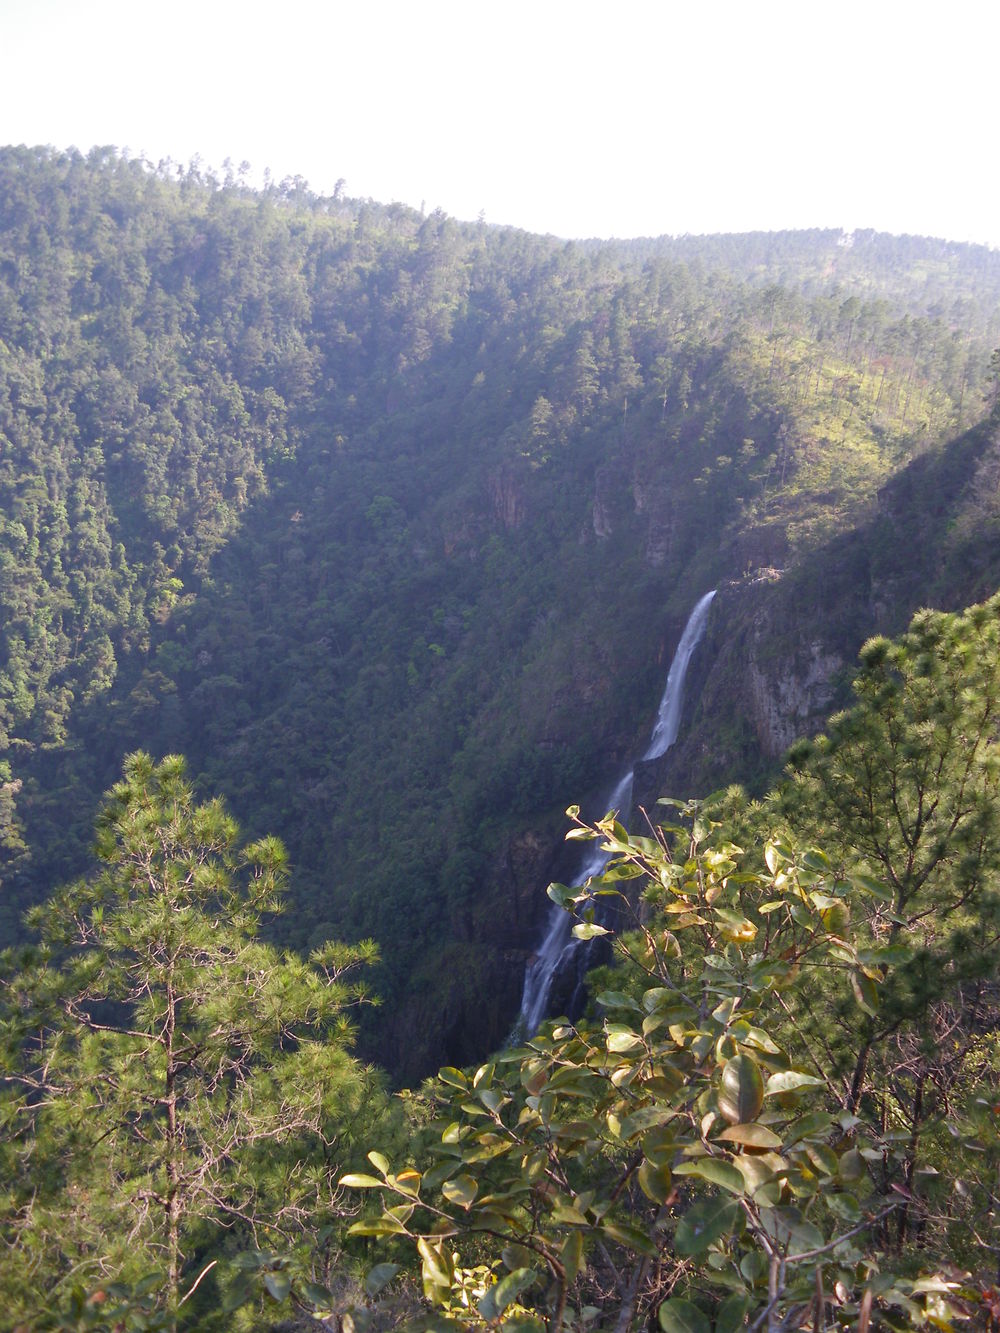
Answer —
560 943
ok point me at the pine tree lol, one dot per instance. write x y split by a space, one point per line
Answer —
909 780
159 1059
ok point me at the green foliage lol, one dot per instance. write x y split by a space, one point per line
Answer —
167 1077
308 489
908 777
786 1116
691 1154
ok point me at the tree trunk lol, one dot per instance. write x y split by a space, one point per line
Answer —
858 1081
909 1168
172 1202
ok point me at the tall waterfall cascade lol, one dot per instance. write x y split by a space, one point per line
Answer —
559 943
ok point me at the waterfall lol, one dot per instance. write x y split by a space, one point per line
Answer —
559 943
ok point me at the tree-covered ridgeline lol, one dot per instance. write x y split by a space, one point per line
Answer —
338 500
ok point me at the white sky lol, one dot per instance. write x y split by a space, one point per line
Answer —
578 117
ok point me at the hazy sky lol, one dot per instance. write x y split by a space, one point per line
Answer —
568 116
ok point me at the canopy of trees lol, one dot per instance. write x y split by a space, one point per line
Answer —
349 504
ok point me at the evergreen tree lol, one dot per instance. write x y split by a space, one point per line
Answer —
164 1072
909 779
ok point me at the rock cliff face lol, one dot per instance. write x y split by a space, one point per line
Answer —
780 650
733 717
785 702
507 498
653 500
770 670
604 502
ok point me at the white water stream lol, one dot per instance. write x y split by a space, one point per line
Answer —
559 943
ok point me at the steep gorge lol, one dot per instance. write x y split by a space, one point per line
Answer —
392 523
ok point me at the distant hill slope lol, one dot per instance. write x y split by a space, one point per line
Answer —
390 523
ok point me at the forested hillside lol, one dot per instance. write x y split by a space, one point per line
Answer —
390 524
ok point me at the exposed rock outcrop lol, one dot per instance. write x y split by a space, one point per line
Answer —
786 702
507 498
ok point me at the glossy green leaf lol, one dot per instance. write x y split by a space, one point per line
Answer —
645 1118
816 1122
378 1226
843 1206
836 918
589 930
612 999
572 1255
876 887
506 1291
888 955
715 1171
320 1296
278 1284
407 1182
677 1315
734 925
800 914
792 1232
239 1292
629 1236
655 1181
453 1077
851 1165
435 1176
790 1080
664 1084
755 1170
703 1224
437 1267
620 1043
659 1145
461 1190
732 1313
865 992
741 1094
517 1256
751 1136
379 1276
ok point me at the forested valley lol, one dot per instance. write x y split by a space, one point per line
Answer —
389 524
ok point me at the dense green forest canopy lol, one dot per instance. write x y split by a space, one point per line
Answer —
390 522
